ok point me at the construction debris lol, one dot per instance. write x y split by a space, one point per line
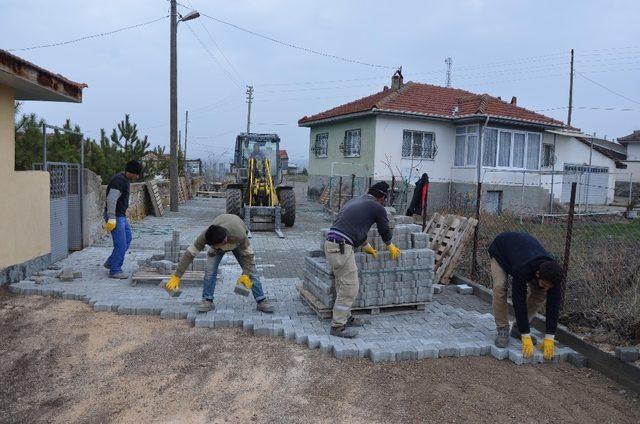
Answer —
68 274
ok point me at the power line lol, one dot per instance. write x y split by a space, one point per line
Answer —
211 55
233 68
607 88
87 37
291 45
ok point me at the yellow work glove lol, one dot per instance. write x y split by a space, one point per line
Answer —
173 284
394 252
527 346
548 347
245 281
370 250
110 225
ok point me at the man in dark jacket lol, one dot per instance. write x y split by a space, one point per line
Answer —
532 269
349 231
115 216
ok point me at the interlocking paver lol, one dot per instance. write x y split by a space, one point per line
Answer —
451 325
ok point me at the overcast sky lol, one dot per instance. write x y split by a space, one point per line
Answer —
504 48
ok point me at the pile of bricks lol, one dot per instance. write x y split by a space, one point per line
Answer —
383 281
173 251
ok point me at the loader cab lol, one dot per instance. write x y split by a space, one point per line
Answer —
259 147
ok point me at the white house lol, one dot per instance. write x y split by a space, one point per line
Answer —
632 143
413 128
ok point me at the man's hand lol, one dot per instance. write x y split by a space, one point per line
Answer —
370 250
527 346
245 281
173 284
110 225
394 252
548 347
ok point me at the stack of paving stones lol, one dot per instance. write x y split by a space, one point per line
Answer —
173 251
383 281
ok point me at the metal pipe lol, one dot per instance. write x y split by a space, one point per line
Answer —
522 197
340 194
567 244
44 146
586 205
553 170
474 257
630 186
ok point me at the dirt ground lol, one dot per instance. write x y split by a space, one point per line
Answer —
62 362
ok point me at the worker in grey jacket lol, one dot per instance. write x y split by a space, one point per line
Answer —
115 216
348 232
228 233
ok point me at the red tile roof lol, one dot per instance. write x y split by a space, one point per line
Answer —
283 155
431 100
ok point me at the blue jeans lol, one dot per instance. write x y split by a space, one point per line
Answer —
121 236
210 283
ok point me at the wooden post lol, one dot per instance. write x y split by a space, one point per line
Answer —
567 243
474 257
353 184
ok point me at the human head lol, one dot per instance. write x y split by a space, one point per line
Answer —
380 191
549 274
215 235
133 170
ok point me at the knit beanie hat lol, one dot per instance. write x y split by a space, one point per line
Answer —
134 167
379 189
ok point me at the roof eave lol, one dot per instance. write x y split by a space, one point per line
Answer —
312 122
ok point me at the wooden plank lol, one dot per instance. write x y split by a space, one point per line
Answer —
326 313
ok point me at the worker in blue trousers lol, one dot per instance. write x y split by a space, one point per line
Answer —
115 216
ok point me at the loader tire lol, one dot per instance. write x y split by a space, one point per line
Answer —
288 203
234 202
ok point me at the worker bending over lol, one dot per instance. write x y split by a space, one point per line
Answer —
227 234
534 271
347 232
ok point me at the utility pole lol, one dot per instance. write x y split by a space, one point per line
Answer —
570 90
249 101
448 61
186 129
173 111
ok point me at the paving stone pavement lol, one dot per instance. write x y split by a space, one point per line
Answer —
452 325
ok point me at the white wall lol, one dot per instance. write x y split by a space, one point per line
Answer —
633 163
389 132
572 151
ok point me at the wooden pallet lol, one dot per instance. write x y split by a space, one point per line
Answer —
185 188
448 235
145 275
156 197
182 195
326 313
202 193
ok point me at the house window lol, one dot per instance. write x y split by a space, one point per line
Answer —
509 149
322 145
351 145
418 144
466 147
548 155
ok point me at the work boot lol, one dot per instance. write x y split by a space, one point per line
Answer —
205 306
515 333
356 322
265 306
344 331
119 276
107 265
502 339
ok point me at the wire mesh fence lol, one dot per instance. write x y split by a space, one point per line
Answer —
593 237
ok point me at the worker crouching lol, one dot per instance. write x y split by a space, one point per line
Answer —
536 277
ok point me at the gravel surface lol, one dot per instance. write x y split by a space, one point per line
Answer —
62 362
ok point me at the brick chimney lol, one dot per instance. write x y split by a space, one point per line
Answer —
397 79
514 101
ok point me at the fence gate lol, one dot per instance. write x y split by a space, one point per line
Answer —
65 208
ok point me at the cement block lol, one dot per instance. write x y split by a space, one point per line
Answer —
464 289
577 360
628 354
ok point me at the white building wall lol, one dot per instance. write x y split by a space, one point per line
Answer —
572 151
633 163
389 133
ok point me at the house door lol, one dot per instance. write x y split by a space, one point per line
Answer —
592 184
